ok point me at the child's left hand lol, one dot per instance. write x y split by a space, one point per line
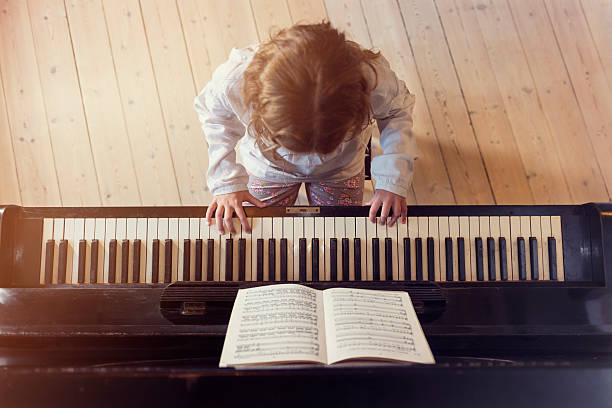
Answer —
389 201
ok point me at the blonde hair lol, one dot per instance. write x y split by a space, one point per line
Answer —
307 89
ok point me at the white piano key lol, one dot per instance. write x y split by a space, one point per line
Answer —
204 235
515 232
90 229
69 237
504 231
163 233
360 232
453 233
183 233
484 234
413 233
320 234
474 233
545 233
46 235
298 232
464 232
434 233
58 235
277 229
141 234
194 234
339 233
77 235
100 231
288 235
109 234
536 232
256 233
402 232
423 234
266 234
173 234
349 223
443 233
329 234
151 235
495 233
555 224
526 233
309 234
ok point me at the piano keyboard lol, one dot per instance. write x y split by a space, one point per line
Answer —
163 250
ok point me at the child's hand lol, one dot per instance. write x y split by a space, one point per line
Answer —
389 201
224 206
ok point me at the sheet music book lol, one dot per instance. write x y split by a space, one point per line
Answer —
288 323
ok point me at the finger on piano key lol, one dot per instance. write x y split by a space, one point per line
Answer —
183 235
536 234
194 235
491 272
402 232
434 234
545 234
526 233
392 233
90 230
120 234
424 234
339 233
154 277
446 270
173 235
100 233
151 236
453 232
61 266
329 233
277 233
266 235
47 241
555 226
515 232
132 224
69 237
288 235
360 258
465 256
309 234
505 252
163 236
485 232
320 234
299 264
413 234
93 267
109 235
474 233
78 233
58 235
257 267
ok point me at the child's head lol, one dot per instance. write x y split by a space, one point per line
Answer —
307 89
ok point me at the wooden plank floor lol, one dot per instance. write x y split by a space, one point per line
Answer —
96 96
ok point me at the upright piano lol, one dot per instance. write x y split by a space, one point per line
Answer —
130 305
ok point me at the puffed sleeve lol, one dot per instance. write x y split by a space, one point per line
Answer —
392 106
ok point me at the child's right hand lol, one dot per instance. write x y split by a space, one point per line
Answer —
224 206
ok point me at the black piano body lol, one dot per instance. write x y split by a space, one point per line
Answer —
495 342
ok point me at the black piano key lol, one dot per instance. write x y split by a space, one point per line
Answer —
302 259
242 259
49 252
61 261
93 266
315 259
522 260
479 259
186 258
345 259
260 252
503 259
376 259
229 259
333 258
136 261
407 270
552 258
271 259
388 259
448 247
81 264
125 260
198 260
418 248
357 258
167 260
533 252
461 258
112 260
283 259
210 260
155 261
431 272
491 258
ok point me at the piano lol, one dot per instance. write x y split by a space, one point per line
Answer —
132 304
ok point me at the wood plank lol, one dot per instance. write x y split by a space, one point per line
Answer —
176 89
60 86
25 108
588 78
307 11
157 181
347 16
270 16
569 133
598 14
485 103
442 93
9 193
110 142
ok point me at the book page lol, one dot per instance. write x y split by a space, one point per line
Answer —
363 323
275 324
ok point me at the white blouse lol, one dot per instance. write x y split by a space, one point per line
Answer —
224 119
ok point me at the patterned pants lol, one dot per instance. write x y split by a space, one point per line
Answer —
342 192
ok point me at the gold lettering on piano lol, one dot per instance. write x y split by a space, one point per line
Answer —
303 210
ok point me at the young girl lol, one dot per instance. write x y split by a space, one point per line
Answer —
300 106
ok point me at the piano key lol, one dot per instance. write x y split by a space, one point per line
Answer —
197 272
461 264
413 233
277 229
479 259
360 234
424 234
248 251
375 259
392 233
345 259
339 233
47 235
526 233
136 260
370 233
151 236
173 235
61 267
357 255
266 234
81 263
183 234
503 259
229 259
309 234
260 260
431 269
93 266
533 255
302 259
130 236
298 233
168 259
515 232
125 260
536 232
77 234
272 259
99 235
474 233
552 258
402 232
48 268
443 233
284 260
381 234
544 260
418 255
120 234
491 272
204 236
241 259
210 259
555 226
522 260
154 261
69 237
388 258
495 233
448 258
288 236
58 235
319 235
194 234
255 236
315 260
162 236
350 229
333 259
112 261
185 253
485 232
433 233
407 259
90 229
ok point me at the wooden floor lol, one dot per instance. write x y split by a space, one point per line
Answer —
514 97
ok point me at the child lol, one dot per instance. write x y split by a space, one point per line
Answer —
299 106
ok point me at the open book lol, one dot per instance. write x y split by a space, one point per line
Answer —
294 323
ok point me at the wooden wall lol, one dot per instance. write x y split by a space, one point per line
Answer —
514 97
